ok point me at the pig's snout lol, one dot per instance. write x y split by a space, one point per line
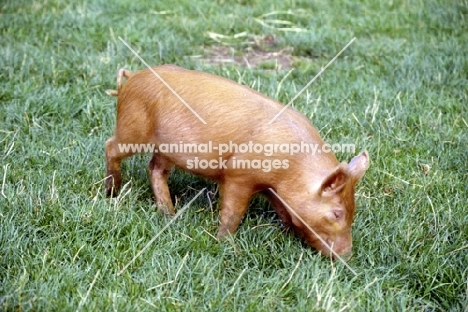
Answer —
341 246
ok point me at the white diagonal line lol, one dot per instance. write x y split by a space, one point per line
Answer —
312 230
163 81
313 79
83 300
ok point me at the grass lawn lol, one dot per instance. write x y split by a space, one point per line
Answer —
399 91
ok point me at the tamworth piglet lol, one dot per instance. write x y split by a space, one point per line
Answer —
221 130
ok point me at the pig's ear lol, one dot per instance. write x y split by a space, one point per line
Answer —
335 182
358 165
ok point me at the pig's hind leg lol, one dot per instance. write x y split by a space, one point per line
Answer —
114 157
159 169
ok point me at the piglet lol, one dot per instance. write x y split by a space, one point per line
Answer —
236 136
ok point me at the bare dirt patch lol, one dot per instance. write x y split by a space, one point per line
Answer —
263 53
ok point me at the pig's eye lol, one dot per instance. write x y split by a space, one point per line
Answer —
337 215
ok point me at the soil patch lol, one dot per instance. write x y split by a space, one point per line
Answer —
262 54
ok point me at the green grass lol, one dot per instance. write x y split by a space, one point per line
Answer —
400 91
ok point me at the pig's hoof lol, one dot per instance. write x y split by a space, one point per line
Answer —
224 235
111 190
113 181
165 210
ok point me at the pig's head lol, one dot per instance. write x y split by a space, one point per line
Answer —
329 208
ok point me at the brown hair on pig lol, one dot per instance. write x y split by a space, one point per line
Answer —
317 187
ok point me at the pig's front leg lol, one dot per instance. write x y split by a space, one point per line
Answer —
281 211
234 203
159 169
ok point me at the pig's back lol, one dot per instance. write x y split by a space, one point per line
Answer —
232 112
